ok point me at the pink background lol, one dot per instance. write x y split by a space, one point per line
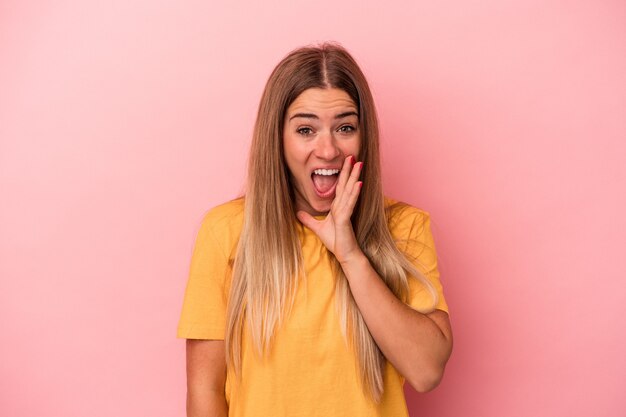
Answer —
120 124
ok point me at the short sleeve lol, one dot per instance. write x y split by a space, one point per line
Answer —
415 238
206 296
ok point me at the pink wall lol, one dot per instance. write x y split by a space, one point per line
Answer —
120 124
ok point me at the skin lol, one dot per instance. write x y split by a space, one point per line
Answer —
320 131
206 378
417 345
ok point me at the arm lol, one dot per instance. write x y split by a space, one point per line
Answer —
417 345
206 378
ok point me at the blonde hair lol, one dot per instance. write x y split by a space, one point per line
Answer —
267 266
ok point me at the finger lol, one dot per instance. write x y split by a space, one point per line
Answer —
354 195
344 174
308 220
356 171
344 199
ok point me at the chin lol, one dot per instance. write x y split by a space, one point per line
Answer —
320 207
313 204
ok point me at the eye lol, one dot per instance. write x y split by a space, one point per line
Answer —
304 131
346 129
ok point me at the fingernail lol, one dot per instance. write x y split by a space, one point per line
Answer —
360 184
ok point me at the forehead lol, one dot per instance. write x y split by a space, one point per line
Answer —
322 100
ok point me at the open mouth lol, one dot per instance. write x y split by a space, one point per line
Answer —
325 182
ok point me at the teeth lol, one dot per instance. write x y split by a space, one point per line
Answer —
326 171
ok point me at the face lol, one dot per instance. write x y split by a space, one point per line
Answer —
321 130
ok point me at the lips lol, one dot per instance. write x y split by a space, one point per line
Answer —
324 185
325 182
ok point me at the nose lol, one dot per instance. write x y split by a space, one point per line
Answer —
326 147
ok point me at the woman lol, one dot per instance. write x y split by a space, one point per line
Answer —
314 294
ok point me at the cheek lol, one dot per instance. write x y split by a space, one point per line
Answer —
295 154
352 147
291 156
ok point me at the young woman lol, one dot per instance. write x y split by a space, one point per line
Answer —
313 295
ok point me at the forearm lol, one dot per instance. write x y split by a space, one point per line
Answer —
417 345
206 378
206 404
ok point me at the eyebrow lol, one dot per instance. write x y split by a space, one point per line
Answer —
314 116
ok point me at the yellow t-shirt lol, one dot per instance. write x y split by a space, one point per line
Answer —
310 370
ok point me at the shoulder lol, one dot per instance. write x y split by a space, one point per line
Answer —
410 228
404 219
222 225
226 215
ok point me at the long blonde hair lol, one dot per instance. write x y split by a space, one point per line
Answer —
268 261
